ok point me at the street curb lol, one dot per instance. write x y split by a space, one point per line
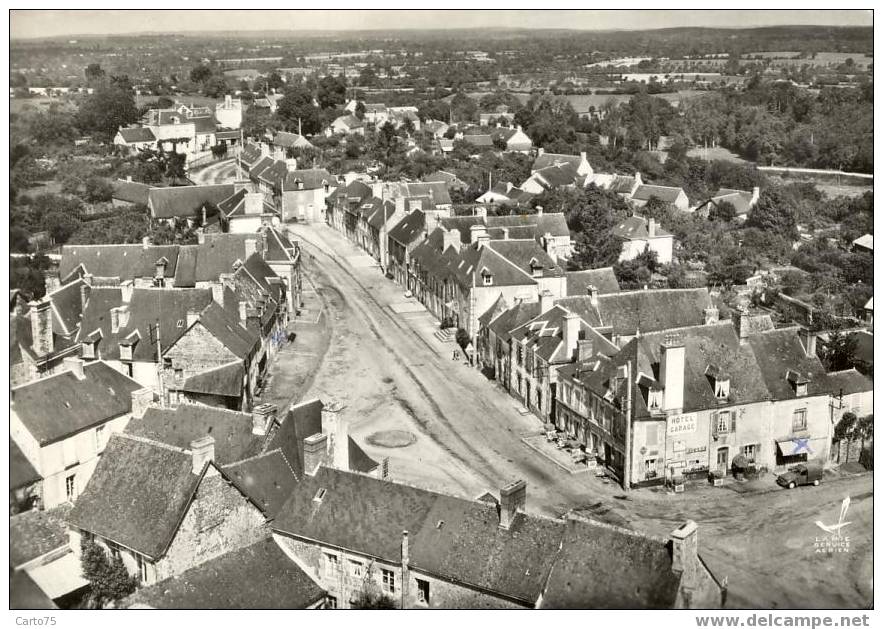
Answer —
548 458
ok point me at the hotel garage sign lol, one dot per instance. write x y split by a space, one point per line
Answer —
682 424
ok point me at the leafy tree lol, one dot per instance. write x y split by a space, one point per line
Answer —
360 110
27 274
331 92
297 105
215 86
53 127
106 110
463 108
126 227
839 352
722 211
18 239
200 73
274 81
109 580
367 77
657 209
98 190
94 73
774 212
60 226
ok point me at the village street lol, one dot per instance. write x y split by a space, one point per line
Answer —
460 433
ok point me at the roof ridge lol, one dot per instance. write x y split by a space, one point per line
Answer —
720 322
151 442
254 457
575 517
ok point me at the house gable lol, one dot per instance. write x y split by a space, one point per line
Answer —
198 349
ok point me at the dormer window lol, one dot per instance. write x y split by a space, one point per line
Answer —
722 389
487 278
720 382
536 269
798 382
654 400
90 345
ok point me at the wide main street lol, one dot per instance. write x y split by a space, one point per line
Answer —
388 373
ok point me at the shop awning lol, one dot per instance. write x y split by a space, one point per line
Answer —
795 445
59 577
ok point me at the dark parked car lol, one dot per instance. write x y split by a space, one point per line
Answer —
802 474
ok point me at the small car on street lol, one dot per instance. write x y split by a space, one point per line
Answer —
801 474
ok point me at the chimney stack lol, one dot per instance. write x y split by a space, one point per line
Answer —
114 320
539 209
315 452
218 293
192 317
592 291
584 349
571 333
51 282
85 289
451 239
741 322
755 194
712 315
671 371
478 235
406 569
651 227
808 340
262 417
685 551
203 452
400 206
161 268
41 327
243 312
75 366
505 231
127 288
254 203
141 401
512 499
251 247
547 300
541 150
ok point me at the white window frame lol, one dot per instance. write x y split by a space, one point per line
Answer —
799 413
750 451
423 597
332 565
99 437
388 581
356 568
722 389
70 487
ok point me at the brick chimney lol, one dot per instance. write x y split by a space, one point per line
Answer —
547 300
41 327
161 268
263 417
141 401
203 452
712 315
571 334
512 499
741 321
315 452
478 235
651 227
85 289
127 288
671 371
254 203
808 340
75 366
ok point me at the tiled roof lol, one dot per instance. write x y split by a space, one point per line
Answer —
204 124
179 426
545 335
379 213
136 135
34 533
267 479
224 380
130 191
21 471
635 227
260 576
61 405
603 279
286 140
668 194
185 201
137 495
449 179
147 307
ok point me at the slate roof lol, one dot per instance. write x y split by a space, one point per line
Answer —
436 190
224 327
125 262
312 179
635 227
626 571
449 179
849 381
21 472
67 308
524 254
34 533
544 334
553 159
351 122
135 135
179 426
479 140
496 309
537 225
260 576
185 201
301 421
622 184
778 351
668 194
628 312
24 593
556 176
603 279
358 459
61 405
740 199
513 318
866 241
267 479
409 229
292 140
138 494
461 540
224 380
147 307
130 191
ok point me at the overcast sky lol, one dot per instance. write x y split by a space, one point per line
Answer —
44 23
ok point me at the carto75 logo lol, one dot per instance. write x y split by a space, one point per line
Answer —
834 529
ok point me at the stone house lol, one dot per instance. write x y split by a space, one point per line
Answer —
579 162
184 204
135 138
403 238
161 525
673 196
422 549
61 425
638 234
245 212
563 175
346 125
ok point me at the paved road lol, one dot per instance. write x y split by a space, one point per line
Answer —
219 172
752 537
